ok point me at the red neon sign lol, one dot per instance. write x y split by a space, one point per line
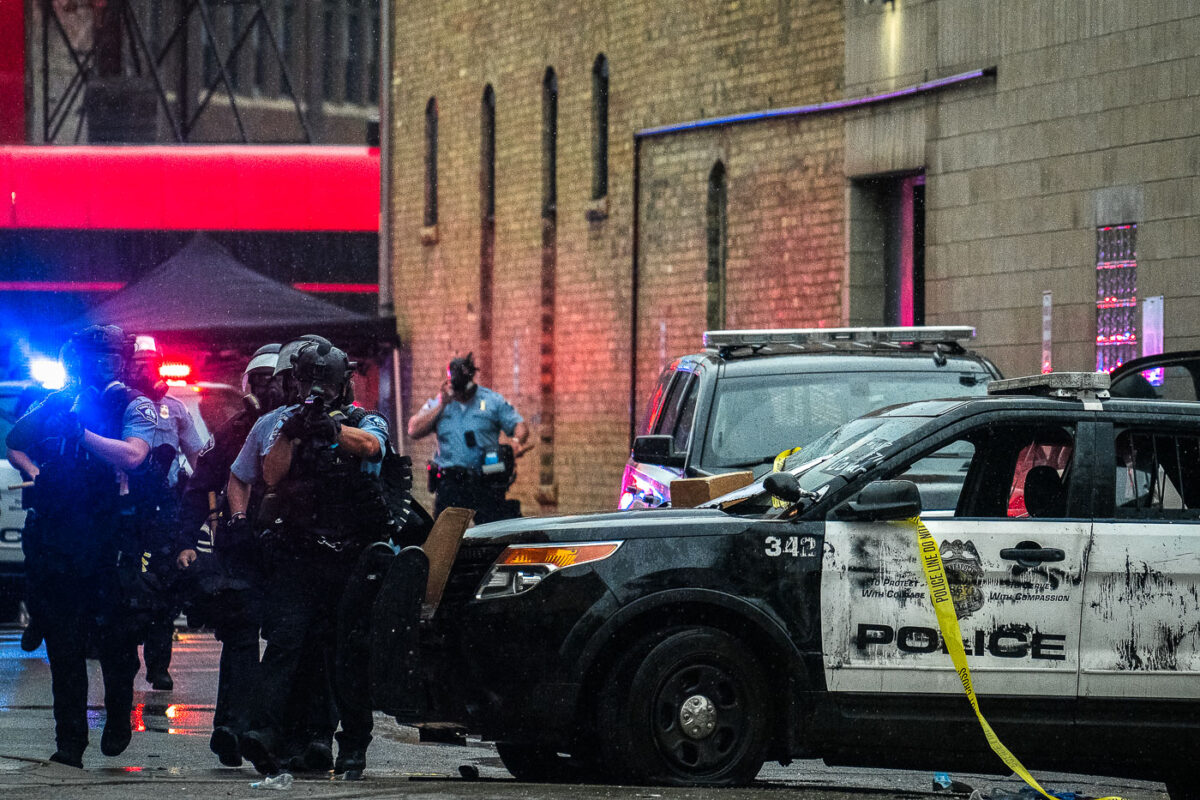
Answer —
190 187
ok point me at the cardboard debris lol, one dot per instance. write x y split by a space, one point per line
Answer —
691 492
441 546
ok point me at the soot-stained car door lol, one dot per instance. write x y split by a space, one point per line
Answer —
1012 533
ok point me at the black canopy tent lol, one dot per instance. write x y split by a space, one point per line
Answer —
204 302
203 298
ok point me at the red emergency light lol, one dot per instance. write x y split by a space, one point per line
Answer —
175 371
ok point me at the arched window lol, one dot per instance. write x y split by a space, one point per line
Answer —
431 162
546 369
715 224
600 127
487 223
549 142
487 153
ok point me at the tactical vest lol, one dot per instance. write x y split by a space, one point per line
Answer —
327 499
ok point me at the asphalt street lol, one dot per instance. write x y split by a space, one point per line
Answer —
169 753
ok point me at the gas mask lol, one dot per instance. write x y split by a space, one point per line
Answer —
461 372
144 375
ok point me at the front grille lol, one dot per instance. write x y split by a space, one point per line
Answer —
468 571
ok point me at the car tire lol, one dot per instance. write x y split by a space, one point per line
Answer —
537 764
687 709
1181 789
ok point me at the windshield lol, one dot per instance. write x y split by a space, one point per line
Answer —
837 456
756 417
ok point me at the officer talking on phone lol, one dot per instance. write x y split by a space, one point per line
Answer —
471 469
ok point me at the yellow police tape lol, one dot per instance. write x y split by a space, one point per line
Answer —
778 465
943 606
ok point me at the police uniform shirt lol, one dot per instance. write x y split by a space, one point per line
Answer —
140 421
485 415
247 467
176 428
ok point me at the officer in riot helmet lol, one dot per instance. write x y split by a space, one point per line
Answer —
82 444
471 469
322 510
226 585
310 737
156 515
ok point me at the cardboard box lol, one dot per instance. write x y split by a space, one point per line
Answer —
691 492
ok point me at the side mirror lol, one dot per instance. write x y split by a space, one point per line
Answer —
784 486
657 449
883 500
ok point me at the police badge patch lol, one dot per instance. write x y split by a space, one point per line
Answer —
964 570
146 411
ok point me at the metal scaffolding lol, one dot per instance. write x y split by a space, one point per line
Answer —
119 31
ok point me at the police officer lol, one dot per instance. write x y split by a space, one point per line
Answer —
234 586
312 720
321 465
468 419
81 445
157 518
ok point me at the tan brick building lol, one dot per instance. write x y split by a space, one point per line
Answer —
955 201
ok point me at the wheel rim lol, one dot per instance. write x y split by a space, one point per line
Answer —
700 718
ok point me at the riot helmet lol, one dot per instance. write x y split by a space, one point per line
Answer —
322 372
100 352
283 365
461 372
144 369
261 390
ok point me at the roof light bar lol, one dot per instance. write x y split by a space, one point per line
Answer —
1056 384
803 338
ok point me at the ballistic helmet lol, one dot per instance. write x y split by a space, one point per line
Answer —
322 370
284 361
100 351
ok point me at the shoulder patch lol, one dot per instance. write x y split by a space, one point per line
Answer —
146 412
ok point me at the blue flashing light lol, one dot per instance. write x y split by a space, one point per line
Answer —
49 372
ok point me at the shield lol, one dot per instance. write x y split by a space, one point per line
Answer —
396 687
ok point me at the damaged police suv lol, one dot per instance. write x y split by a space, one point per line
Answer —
789 619
752 392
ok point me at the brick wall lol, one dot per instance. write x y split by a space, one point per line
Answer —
1090 121
668 62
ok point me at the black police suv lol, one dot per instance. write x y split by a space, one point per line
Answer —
754 393
790 619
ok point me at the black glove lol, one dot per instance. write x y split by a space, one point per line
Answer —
66 425
320 427
324 428
238 537
294 426
117 395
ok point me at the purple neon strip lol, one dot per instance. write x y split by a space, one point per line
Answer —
817 108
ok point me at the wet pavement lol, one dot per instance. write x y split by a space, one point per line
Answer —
169 753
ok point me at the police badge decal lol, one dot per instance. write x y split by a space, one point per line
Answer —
964 570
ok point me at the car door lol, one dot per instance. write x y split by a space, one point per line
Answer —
672 412
1019 610
1141 635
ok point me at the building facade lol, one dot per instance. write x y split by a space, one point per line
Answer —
578 193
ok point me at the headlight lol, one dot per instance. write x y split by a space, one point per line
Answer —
522 567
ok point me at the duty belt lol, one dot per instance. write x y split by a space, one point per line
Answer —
458 472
